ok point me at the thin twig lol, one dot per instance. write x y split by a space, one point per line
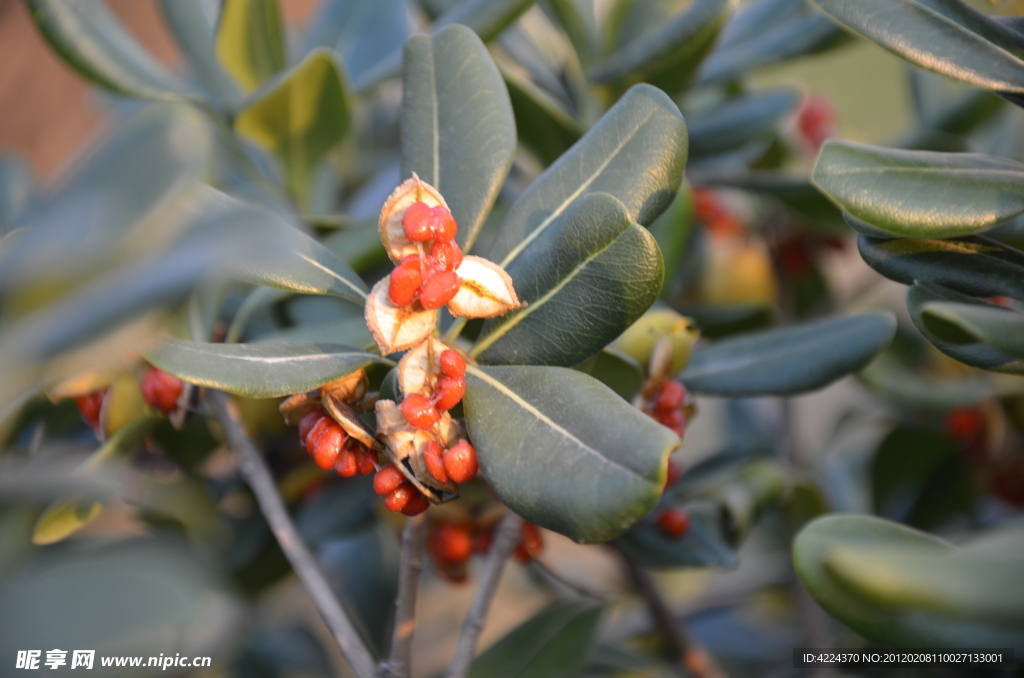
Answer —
505 539
685 650
257 475
399 663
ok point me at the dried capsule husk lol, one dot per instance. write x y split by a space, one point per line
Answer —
419 369
396 328
486 290
295 407
404 446
350 389
342 413
392 234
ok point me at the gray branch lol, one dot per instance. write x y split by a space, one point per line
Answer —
255 472
399 662
505 541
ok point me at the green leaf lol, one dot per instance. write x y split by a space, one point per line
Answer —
563 451
458 131
707 543
576 17
543 125
635 153
250 41
668 55
487 18
903 386
616 370
672 233
362 33
351 332
265 370
736 122
87 36
64 517
721 321
591 275
554 643
795 192
904 588
299 116
118 199
920 194
944 36
790 360
192 24
974 265
996 326
951 338
766 32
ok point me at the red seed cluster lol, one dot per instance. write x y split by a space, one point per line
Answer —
399 494
89 405
423 412
451 545
332 448
667 406
430 276
816 121
531 543
161 390
674 522
710 211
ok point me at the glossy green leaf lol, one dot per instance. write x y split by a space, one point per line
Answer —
577 19
789 360
974 265
616 370
543 124
351 332
118 199
458 130
920 193
250 41
766 32
904 588
722 321
193 25
487 18
945 36
738 121
668 55
1002 328
264 370
591 275
554 643
563 451
90 39
635 153
363 33
299 116
951 338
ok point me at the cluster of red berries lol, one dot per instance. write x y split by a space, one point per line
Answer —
427 276
451 545
709 210
399 494
332 448
667 406
423 412
160 390
816 121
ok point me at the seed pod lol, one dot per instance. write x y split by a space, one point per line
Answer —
460 462
486 290
396 328
392 232
404 445
419 367
439 289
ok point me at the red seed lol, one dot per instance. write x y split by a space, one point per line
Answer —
965 424
417 221
161 390
674 523
367 461
420 412
89 405
531 543
446 256
675 420
400 496
460 462
450 544
404 284
672 474
449 392
387 480
444 226
308 421
670 397
416 505
452 364
433 459
439 289
347 464
326 447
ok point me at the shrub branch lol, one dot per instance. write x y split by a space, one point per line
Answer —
413 546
